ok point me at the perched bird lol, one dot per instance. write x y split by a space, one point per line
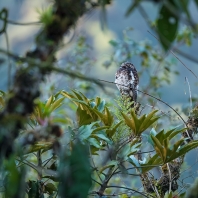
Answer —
127 80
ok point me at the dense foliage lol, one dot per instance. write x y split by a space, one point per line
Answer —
76 144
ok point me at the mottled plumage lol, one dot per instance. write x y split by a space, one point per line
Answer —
127 80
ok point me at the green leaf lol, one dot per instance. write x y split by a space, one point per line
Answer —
124 196
101 106
78 95
113 43
129 122
173 154
162 145
49 102
109 117
74 172
128 150
38 112
135 148
182 195
85 131
96 109
151 163
50 188
94 142
105 117
40 145
57 94
34 191
154 133
2 101
148 120
110 132
167 25
175 132
182 151
66 94
162 135
14 183
61 120
94 150
134 162
55 179
196 2
100 128
84 106
159 148
56 104
139 125
83 117
101 135
124 152
109 165
168 194
168 153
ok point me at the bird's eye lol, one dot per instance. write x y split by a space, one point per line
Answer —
116 77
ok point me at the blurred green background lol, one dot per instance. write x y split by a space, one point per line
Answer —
21 39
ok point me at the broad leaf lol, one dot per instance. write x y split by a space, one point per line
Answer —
160 149
151 163
56 104
94 142
85 131
101 135
109 165
183 150
40 145
139 125
83 117
50 188
167 25
110 132
105 117
75 173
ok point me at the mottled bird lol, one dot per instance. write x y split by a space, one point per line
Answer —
127 80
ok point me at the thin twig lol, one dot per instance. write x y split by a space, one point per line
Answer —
149 22
96 182
94 164
151 97
146 152
47 161
154 187
187 56
175 56
22 23
130 190
186 79
32 62
29 164
132 174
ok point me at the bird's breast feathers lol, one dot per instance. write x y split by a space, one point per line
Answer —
127 80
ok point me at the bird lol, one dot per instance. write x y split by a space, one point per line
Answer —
127 81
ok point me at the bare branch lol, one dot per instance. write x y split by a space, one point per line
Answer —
175 56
